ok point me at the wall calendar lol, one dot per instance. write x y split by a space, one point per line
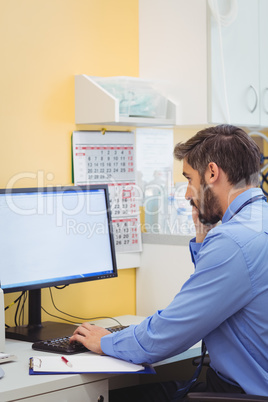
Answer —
108 157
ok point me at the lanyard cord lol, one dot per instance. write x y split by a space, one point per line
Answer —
185 388
250 201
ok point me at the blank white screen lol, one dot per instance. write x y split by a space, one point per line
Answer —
53 236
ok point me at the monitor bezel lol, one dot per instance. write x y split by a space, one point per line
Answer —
68 281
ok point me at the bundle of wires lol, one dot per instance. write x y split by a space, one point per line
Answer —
19 313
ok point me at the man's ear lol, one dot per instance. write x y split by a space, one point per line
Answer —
212 173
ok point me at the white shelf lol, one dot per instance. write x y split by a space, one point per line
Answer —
95 105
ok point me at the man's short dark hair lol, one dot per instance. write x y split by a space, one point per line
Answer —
230 147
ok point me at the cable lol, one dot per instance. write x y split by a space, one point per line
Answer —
17 310
260 134
18 300
263 176
264 180
55 316
223 21
74 322
76 317
14 302
21 315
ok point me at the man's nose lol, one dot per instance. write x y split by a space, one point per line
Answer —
188 194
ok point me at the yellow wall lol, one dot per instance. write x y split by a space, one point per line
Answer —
44 43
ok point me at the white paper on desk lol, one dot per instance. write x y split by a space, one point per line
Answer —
86 363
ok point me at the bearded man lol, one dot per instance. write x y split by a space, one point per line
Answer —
224 302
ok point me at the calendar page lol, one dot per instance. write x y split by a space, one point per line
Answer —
109 158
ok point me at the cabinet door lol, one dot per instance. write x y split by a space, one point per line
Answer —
173 51
234 85
91 392
264 62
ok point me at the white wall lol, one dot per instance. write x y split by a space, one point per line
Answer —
164 269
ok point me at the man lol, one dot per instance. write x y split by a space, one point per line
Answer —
225 300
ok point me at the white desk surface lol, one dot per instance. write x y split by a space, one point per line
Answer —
18 381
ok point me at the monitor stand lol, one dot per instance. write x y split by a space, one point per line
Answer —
48 330
37 330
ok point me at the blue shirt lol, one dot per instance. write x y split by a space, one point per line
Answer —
224 302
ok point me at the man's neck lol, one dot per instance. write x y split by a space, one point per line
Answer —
229 196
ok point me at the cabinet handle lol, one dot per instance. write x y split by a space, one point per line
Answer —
256 99
265 92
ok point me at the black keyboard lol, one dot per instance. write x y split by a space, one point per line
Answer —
64 346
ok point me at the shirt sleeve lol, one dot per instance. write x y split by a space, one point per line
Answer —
219 287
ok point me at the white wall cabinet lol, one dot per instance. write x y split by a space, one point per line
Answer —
238 61
264 62
218 74
234 79
173 50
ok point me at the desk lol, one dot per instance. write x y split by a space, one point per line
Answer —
18 385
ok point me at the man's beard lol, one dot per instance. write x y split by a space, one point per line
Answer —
209 210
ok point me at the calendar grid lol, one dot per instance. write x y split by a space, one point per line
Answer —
112 163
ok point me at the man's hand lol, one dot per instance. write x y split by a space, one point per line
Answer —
90 336
201 230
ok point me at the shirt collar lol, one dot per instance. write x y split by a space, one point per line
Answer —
240 200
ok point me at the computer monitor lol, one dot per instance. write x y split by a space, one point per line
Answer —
49 237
